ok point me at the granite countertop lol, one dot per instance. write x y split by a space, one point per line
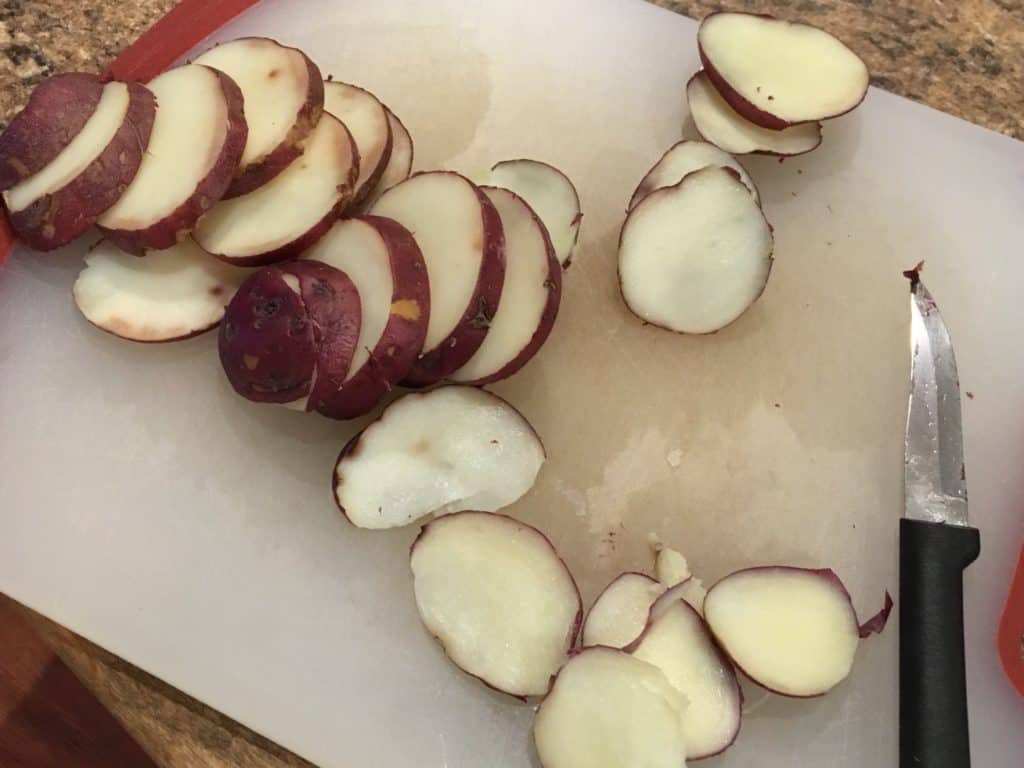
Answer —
959 56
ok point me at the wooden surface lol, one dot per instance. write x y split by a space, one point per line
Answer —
965 52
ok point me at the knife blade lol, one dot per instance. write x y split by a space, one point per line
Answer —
936 545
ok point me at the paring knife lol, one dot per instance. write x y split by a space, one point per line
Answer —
936 545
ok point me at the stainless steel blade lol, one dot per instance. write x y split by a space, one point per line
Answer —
936 486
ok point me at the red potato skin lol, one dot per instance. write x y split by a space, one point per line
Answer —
332 303
56 112
266 168
577 623
308 238
402 339
169 230
459 346
765 152
547 318
56 219
723 657
743 106
267 345
645 187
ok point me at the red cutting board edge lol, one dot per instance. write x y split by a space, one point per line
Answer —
184 27
1011 629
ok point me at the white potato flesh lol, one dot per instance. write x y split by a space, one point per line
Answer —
444 214
358 249
551 195
498 598
367 121
446 450
188 134
400 161
694 257
165 295
790 630
721 125
85 147
671 567
793 71
691 590
289 205
608 709
686 157
274 81
678 643
620 612
524 294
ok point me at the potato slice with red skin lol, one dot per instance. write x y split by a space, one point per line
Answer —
450 449
778 73
267 344
384 262
163 296
607 709
367 121
686 157
791 630
551 195
499 599
69 194
460 236
399 162
288 214
529 297
620 612
57 110
333 304
284 98
197 137
677 641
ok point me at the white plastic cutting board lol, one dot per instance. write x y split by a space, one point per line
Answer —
146 507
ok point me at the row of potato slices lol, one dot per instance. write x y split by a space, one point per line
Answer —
252 158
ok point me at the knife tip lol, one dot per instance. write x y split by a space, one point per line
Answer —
914 276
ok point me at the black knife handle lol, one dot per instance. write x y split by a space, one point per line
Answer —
933 680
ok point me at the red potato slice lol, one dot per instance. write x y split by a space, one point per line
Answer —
791 630
608 709
459 234
499 599
267 345
620 612
66 197
529 298
166 295
58 108
721 125
197 137
385 264
779 73
400 160
677 642
694 257
447 450
691 591
285 216
367 121
334 308
551 195
686 157
284 98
